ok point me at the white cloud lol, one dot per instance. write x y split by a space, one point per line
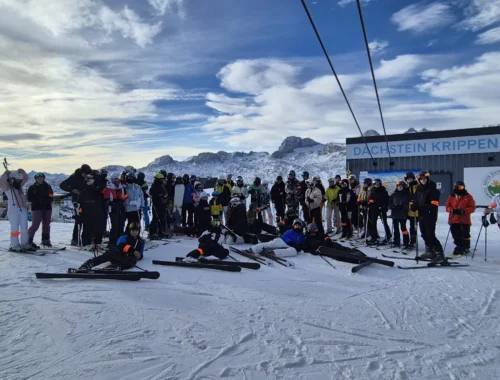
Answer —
422 17
401 67
254 76
163 6
481 14
489 37
378 47
343 3
61 17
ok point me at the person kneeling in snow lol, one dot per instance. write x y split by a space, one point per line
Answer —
129 249
289 244
209 245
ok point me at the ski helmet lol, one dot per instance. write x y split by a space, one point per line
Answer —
401 183
193 176
423 174
169 176
164 172
134 226
298 222
409 175
159 176
460 185
352 176
292 172
378 182
279 178
257 181
85 169
229 175
39 174
130 169
141 176
115 177
305 175
310 182
344 182
131 175
367 181
331 179
103 172
215 193
312 227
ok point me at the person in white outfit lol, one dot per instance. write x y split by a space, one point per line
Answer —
267 213
12 184
494 207
289 244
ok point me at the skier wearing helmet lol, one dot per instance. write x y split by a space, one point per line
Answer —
40 195
91 208
347 207
256 191
289 244
313 199
303 188
399 203
267 213
379 203
332 209
12 184
159 202
224 196
134 202
412 185
315 239
293 191
203 216
278 198
241 189
427 204
363 198
237 221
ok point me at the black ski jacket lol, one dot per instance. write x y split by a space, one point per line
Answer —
158 194
399 202
237 220
347 199
202 216
74 181
40 196
379 197
427 200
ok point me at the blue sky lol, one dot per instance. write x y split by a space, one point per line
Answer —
121 82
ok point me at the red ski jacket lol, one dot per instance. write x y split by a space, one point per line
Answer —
465 202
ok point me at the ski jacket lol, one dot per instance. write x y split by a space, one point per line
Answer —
293 192
224 193
379 197
399 203
203 216
188 193
237 220
128 245
332 195
74 182
241 191
115 196
364 195
158 194
215 207
465 202
257 195
278 192
40 196
495 205
313 198
320 186
313 242
302 187
427 200
294 239
90 200
412 189
144 187
356 187
15 196
135 198
347 199
170 188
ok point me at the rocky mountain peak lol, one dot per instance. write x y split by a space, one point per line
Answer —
293 142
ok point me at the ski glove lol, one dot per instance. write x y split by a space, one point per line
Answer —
311 200
458 211
485 221
413 207
493 220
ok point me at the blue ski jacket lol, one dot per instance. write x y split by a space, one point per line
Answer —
188 193
294 239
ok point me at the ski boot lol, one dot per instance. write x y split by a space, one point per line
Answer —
438 256
46 240
87 265
396 244
33 245
429 254
372 242
74 243
17 248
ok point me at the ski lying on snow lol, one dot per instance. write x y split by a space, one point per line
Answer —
272 256
416 259
357 268
149 275
260 260
25 252
254 266
219 266
334 254
91 276
444 264
51 250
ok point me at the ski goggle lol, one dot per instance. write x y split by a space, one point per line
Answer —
459 187
400 183
134 226
39 174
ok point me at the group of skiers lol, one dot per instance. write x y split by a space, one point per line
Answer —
243 210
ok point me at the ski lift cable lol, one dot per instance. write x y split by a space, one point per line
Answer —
336 77
361 19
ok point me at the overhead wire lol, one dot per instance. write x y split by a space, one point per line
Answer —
318 36
361 19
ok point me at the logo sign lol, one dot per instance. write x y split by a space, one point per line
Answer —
482 183
434 147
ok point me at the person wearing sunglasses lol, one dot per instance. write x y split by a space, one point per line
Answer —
128 250
460 205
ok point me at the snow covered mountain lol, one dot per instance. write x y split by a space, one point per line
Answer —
294 153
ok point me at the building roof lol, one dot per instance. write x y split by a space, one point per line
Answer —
483 131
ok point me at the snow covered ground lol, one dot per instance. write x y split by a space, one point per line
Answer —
310 323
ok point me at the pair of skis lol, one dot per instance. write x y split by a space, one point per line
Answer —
430 264
363 261
101 274
265 257
226 266
40 251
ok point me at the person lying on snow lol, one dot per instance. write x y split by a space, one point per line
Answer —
210 244
289 244
129 249
315 239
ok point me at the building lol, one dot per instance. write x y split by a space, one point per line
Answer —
470 155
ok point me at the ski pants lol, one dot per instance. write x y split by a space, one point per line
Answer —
76 228
158 223
145 215
397 225
306 213
316 218
413 229
280 209
115 257
18 219
461 235
117 219
280 248
37 217
375 212
188 214
333 212
267 214
346 222
355 219
92 225
428 230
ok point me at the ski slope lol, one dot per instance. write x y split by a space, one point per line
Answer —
309 323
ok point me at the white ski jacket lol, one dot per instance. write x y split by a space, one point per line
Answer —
495 205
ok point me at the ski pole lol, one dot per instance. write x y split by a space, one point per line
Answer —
485 242
329 263
415 222
477 241
366 224
447 236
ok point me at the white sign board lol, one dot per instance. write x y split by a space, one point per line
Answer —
482 183
434 147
